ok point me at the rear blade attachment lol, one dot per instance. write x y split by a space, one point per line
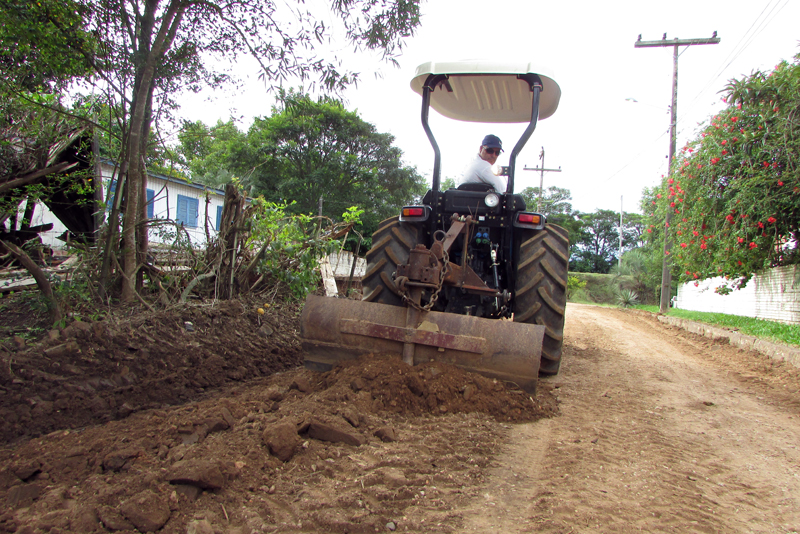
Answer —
334 330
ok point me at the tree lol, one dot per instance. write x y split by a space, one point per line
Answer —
214 155
735 189
598 242
596 246
555 200
42 45
556 205
147 51
309 149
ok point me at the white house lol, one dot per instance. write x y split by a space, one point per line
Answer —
193 205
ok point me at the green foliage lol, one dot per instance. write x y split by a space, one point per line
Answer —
597 288
734 195
555 200
627 298
574 284
43 44
597 245
293 246
771 330
308 149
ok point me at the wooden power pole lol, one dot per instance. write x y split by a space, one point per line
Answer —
666 279
541 177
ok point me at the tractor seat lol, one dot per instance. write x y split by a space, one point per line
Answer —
476 186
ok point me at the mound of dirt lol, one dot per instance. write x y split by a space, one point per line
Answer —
371 445
93 372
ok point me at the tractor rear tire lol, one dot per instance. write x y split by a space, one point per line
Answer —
541 289
391 244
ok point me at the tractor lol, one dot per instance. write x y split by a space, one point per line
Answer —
469 276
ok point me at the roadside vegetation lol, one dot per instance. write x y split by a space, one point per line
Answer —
769 330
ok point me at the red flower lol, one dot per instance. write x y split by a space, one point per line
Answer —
697 284
772 220
724 141
703 246
729 218
739 262
724 152
753 245
741 240
738 106
714 161
696 233
687 272
684 245
671 204
780 183
734 119
649 230
658 195
735 139
670 181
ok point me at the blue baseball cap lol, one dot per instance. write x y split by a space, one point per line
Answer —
492 141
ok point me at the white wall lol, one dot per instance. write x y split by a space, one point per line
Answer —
772 294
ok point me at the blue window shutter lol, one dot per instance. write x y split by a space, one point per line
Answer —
111 192
150 203
183 209
194 205
219 217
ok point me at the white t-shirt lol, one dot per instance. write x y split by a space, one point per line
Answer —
480 171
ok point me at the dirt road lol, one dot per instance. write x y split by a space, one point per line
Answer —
654 430
659 431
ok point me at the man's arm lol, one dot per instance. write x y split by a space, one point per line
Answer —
485 174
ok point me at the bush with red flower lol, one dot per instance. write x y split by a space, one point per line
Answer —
735 188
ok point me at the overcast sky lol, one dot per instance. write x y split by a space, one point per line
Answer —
610 132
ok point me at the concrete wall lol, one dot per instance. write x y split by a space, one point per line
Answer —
772 294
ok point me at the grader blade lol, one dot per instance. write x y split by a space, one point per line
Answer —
334 330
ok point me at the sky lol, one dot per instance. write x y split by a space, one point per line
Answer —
610 134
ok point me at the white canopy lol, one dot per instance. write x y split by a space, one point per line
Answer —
488 91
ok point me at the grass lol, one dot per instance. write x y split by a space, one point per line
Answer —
769 330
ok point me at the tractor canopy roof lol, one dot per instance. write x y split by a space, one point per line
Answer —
487 91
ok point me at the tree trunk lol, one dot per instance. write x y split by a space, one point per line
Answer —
41 279
148 58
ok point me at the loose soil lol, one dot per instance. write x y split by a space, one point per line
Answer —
201 420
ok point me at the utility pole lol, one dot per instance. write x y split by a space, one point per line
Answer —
541 177
619 263
666 279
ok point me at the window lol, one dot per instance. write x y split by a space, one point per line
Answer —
150 203
219 218
187 211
